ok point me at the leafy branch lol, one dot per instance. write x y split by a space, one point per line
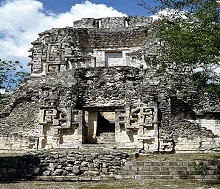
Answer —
11 74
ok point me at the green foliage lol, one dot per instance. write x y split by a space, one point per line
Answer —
201 170
11 75
189 32
207 83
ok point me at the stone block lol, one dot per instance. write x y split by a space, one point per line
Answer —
154 168
77 162
141 177
105 170
113 170
211 167
210 172
118 177
91 173
84 163
124 172
76 170
91 165
127 168
85 178
84 168
47 173
68 168
129 176
144 168
144 173
59 166
212 177
97 178
57 172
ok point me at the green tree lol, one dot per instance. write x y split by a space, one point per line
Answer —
189 31
11 75
207 83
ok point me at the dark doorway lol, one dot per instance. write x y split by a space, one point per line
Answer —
100 127
106 127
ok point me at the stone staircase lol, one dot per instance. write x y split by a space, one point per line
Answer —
106 138
171 170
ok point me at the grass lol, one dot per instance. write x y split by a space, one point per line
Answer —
122 184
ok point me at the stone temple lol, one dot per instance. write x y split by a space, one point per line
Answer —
92 84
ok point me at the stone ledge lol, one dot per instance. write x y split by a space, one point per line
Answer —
69 178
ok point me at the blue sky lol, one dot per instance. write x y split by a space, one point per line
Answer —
130 7
22 20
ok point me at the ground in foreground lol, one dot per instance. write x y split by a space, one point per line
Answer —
122 184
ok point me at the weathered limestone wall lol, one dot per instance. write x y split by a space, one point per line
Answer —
20 128
82 73
115 22
211 123
109 87
117 89
84 46
140 121
115 38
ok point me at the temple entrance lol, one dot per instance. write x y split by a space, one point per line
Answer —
100 127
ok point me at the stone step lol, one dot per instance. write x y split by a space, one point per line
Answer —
166 177
207 177
109 134
107 142
106 138
165 163
165 168
99 146
168 172
68 178
164 172
138 177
